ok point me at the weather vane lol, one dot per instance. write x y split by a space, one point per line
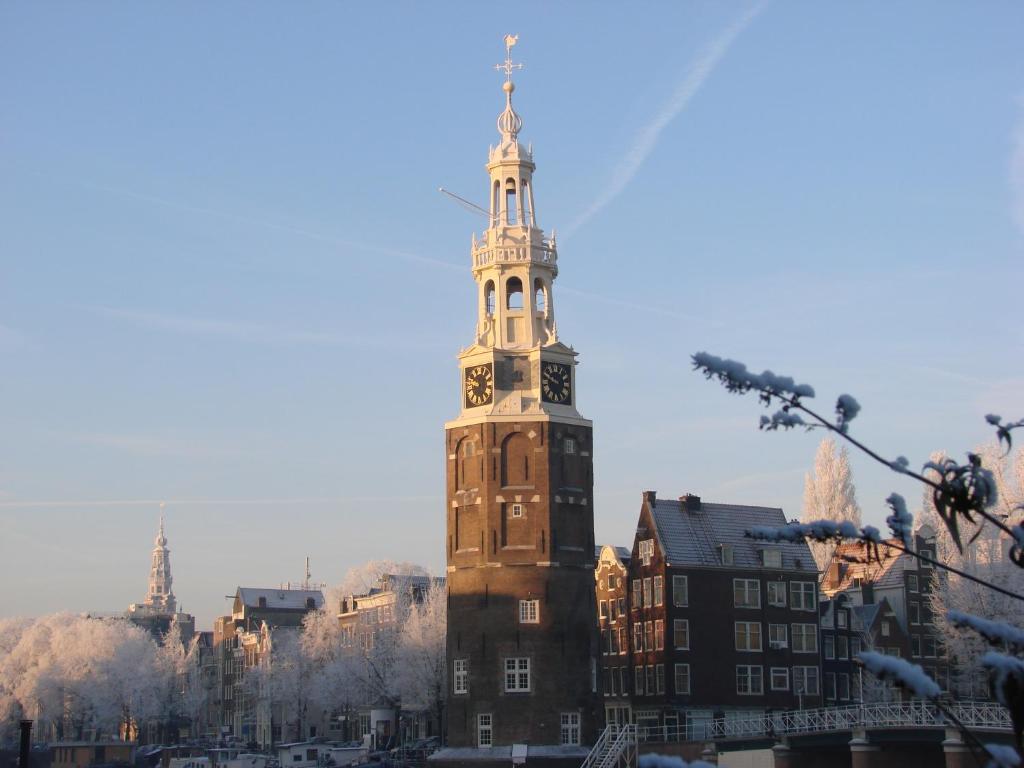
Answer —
508 66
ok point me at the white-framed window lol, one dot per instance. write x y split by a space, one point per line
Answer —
659 635
725 553
517 674
646 551
749 680
529 611
828 644
603 608
805 681
842 619
460 684
746 593
929 554
638 637
484 730
612 615
854 647
680 591
648 593
682 678
638 680
778 636
648 635
777 593
623 645
569 446
622 606
570 728
912 582
659 590
771 558
681 634
805 638
802 596
748 635
885 629
842 647
636 594
928 646
517 510
659 678
780 678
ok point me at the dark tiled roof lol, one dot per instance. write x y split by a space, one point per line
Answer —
692 537
287 599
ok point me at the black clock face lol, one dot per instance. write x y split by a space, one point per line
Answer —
479 384
556 383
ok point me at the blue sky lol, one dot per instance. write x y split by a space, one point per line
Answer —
227 279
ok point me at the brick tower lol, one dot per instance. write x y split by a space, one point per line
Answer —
522 643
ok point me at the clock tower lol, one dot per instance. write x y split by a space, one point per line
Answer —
522 638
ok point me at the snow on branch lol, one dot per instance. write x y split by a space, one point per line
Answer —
670 761
995 632
1003 756
818 530
1003 430
736 378
900 522
783 418
847 409
901 672
962 490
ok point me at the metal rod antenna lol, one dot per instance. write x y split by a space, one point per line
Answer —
470 206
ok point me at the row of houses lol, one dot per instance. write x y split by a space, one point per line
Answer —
699 621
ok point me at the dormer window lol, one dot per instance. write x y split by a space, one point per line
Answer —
646 551
771 558
725 553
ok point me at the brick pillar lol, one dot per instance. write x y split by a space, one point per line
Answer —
958 754
783 756
863 753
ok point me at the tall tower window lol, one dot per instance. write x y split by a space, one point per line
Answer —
514 293
540 300
489 297
496 204
510 202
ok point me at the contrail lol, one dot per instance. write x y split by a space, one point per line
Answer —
314 501
698 72
1017 171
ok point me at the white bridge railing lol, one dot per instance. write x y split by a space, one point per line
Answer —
979 715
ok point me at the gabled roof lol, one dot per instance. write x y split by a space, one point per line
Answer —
887 571
280 599
622 554
692 537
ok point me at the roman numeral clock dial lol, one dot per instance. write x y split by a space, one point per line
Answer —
556 383
479 385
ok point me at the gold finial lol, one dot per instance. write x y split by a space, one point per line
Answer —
507 66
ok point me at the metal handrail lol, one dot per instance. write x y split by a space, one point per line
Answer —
981 715
616 743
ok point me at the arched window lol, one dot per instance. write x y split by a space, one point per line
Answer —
526 198
515 459
489 297
540 295
496 203
510 201
514 293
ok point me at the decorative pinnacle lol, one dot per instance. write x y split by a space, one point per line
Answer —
509 123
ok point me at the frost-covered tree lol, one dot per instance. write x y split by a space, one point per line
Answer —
829 495
422 670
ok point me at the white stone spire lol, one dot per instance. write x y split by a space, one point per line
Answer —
161 595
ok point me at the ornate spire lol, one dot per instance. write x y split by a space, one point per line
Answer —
509 121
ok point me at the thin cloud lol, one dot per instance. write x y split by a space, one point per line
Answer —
699 71
143 445
299 501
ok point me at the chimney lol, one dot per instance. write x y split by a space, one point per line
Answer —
650 497
690 502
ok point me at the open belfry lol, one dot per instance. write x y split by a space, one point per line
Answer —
522 642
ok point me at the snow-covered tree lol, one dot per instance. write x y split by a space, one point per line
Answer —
422 670
829 495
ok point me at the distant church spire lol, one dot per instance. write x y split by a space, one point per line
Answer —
161 596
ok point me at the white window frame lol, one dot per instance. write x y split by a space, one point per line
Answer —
748 673
485 730
745 629
828 646
569 446
638 679
842 647
635 592
685 669
777 642
776 684
746 585
805 631
529 611
775 599
676 625
460 681
725 554
517 674
680 590
842 620
805 674
659 678
659 635
802 596
645 549
570 729
517 510
648 592
659 590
